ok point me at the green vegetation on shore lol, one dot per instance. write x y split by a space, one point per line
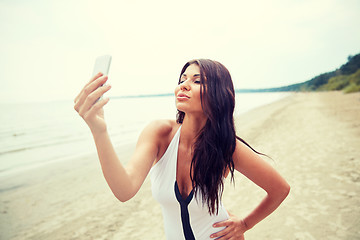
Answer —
347 83
346 78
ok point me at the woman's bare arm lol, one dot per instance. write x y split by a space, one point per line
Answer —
265 176
123 182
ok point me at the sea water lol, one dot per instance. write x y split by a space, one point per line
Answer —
33 134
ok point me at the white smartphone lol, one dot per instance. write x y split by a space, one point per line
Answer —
102 64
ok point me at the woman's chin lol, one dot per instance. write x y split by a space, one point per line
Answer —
180 106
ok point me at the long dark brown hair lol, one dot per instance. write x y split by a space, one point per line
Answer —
216 141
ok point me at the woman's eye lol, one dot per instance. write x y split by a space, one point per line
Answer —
194 81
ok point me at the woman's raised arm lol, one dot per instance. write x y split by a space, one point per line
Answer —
123 182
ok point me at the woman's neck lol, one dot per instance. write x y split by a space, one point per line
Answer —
190 129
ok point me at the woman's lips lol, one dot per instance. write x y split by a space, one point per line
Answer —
182 96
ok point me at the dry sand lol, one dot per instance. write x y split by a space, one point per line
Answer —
314 139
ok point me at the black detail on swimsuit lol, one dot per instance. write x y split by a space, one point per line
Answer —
185 218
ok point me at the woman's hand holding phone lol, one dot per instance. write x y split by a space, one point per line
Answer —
90 107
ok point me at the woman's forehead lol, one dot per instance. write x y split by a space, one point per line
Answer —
191 70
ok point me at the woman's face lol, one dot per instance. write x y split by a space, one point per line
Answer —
187 93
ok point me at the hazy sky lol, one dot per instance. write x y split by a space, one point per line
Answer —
48 48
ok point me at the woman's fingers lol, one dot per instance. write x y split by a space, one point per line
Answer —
91 80
91 99
88 105
99 74
93 85
96 107
88 89
220 234
234 228
96 78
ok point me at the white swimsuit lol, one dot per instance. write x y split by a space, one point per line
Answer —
183 218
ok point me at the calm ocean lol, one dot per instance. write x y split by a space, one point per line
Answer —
32 134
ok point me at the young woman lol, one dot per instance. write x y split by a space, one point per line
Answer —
187 158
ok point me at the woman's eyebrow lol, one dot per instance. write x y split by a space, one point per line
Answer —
195 75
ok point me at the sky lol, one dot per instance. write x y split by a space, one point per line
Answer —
48 48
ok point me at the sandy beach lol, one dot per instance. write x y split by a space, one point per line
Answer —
313 139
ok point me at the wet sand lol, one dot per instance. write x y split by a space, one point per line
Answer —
313 139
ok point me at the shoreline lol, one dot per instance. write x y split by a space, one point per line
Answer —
312 137
63 134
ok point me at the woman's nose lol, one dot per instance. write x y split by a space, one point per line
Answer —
185 86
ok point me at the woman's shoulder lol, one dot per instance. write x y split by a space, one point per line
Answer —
160 133
162 129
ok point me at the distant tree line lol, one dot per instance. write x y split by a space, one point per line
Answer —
346 78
